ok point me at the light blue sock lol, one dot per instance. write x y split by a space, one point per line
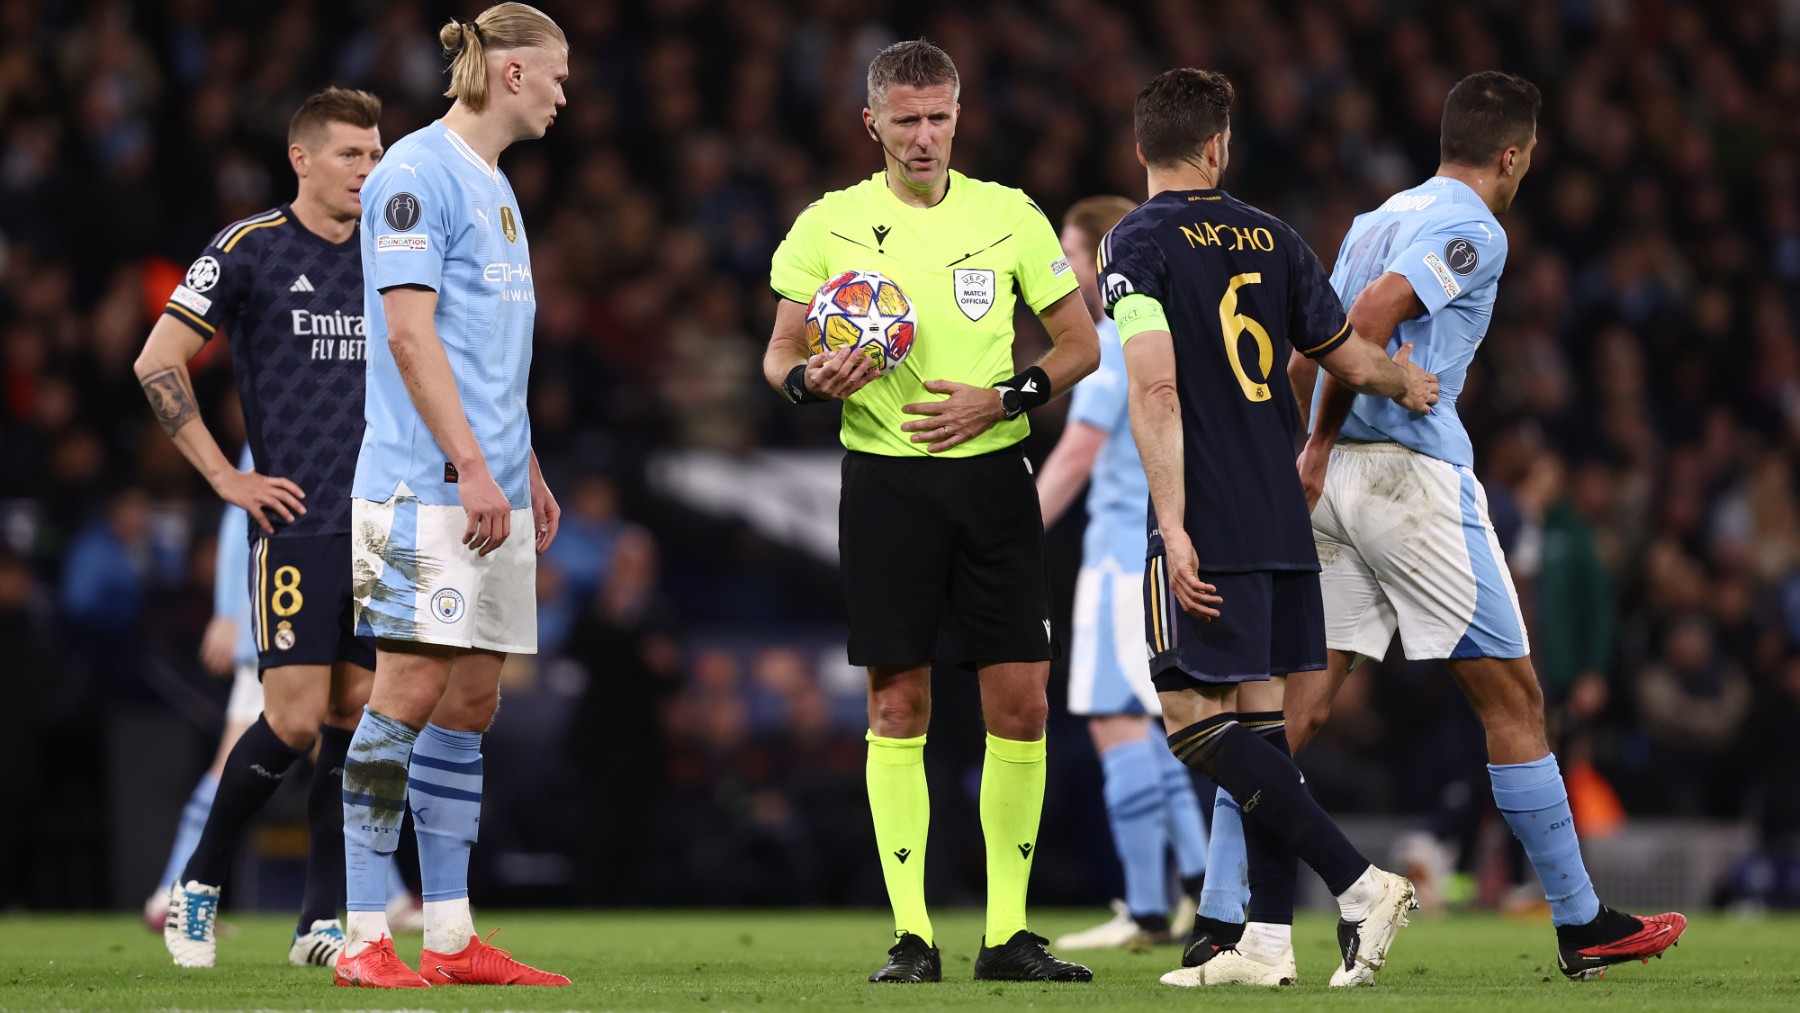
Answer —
1535 803
1134 807
1227 891
374 806
1186 830
446 804
187 832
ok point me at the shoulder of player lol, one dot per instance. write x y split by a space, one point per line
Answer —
413 161
1471 220
1137 225
243 237
1258 217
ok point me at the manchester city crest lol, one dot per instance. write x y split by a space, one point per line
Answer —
447 605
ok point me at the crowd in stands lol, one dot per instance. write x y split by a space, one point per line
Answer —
1636 409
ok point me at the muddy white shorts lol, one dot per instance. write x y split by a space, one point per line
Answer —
1405 543
415 580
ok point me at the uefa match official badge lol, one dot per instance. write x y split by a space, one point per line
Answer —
447 605
974 291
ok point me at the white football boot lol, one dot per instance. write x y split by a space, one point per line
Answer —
188 932
1112 935
1242 967
318 946
1364 944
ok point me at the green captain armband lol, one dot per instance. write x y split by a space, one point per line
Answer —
1137 313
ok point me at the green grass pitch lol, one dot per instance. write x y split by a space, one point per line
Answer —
816 960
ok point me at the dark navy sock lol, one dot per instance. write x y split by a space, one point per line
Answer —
1267 787
253 771
325 819
1274 870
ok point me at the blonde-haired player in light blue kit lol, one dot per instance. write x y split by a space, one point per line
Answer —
448 493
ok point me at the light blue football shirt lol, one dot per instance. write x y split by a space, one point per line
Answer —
1118 499
231 573
436 216
1443 240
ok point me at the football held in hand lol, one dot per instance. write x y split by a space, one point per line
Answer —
862 310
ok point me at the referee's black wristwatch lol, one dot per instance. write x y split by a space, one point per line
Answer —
1011 404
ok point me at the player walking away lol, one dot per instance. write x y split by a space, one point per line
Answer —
229 646
285 285
445 476
1402 523
942 503
1149 797
1204 289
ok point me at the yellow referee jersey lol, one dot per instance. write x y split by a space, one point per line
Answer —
961 262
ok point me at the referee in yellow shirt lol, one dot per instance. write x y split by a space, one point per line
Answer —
938 503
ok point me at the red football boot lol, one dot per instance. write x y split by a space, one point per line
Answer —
377 966
481 964
1584 952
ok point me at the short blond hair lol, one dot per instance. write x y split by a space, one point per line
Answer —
500 27
1095 217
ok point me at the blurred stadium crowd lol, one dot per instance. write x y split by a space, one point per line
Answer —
1636 410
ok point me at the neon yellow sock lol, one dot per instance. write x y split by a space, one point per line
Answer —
901 804
1012 801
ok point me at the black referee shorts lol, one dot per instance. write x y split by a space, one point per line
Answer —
917 535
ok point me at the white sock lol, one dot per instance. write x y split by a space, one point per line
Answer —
363 928
1354 902
1267 939
448 926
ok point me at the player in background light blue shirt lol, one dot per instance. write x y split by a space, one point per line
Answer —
1150 800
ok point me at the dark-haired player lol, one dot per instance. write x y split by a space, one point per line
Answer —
286 287
1206 291
1422 269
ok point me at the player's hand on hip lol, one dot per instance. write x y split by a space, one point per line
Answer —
1421 387
968 412
217 645
839 373
1195 596
489 513
257 492
1313 460
546 515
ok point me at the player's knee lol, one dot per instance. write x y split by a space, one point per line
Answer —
296 726
1019 718
900 715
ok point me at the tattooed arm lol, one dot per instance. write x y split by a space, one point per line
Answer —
163 373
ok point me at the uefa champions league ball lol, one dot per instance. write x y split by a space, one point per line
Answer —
865 311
